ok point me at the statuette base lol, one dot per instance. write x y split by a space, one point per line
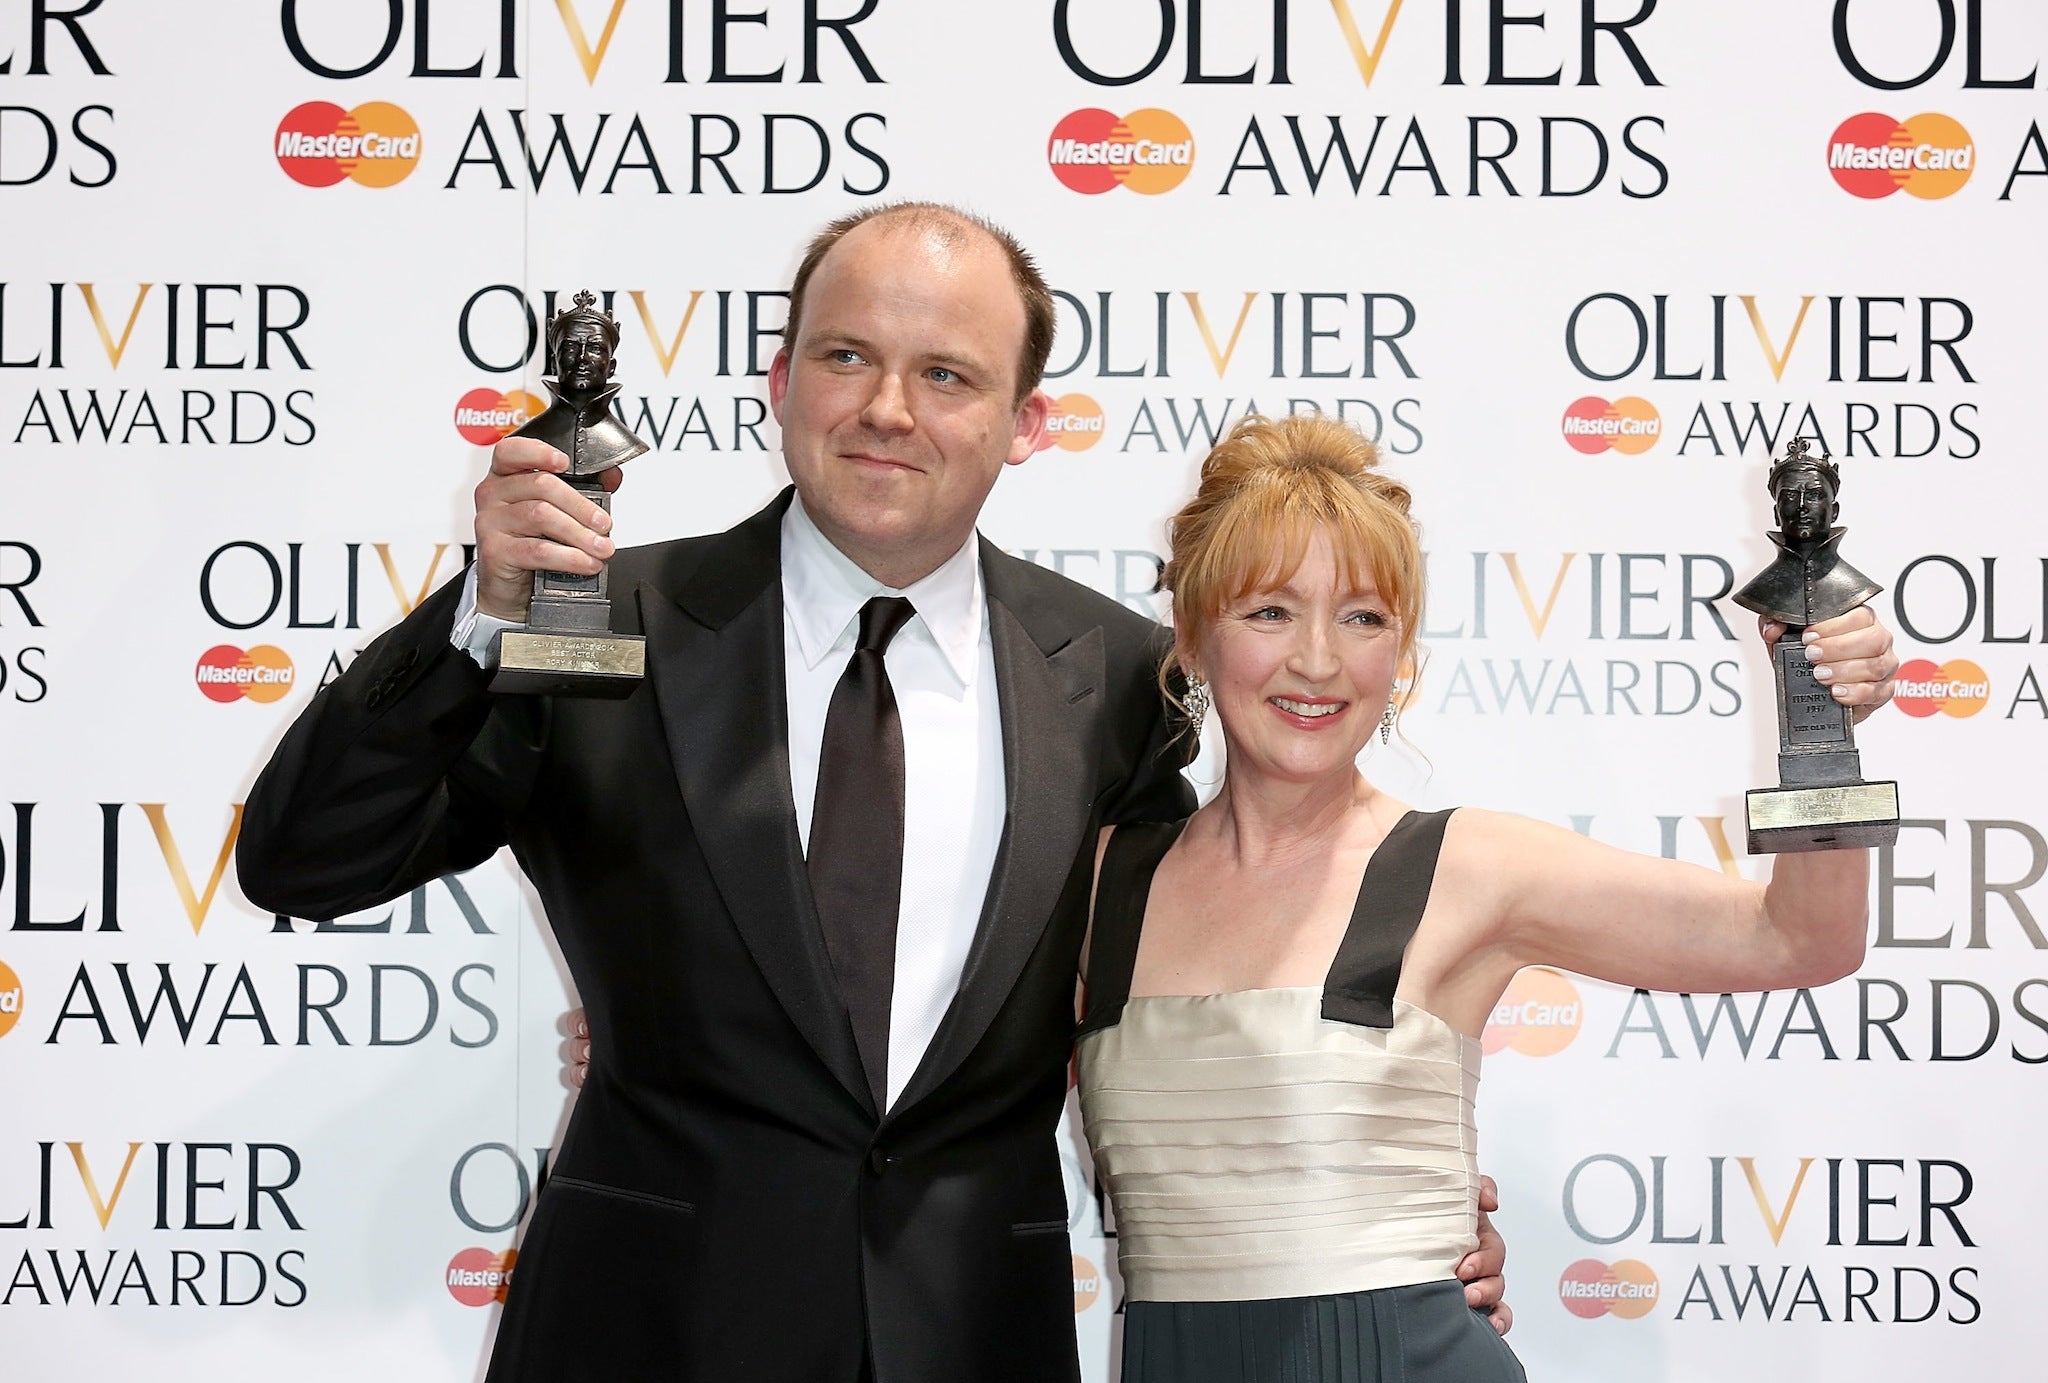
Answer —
1845 816
554 663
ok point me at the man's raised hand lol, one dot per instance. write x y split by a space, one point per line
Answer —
529 519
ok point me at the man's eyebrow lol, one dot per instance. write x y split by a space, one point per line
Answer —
831 338
964 364
837 340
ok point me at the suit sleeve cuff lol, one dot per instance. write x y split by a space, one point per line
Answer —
473 630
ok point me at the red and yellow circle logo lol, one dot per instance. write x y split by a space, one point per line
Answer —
1872 155
375 145
1149 151
10 1014
1957 688
1590 1289
1628 425
1075 422
484 416
478 1277
1087 1284
1539 1015
227 673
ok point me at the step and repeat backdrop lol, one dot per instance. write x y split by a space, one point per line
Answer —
271 277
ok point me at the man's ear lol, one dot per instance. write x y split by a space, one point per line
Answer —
1031 436
778 383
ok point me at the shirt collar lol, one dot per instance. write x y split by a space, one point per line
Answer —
823 590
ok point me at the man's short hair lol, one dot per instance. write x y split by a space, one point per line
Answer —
954 224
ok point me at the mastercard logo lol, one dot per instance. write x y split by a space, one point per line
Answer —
1630 426
1539 1015
1957 688
1075 422
1087 1284
375 145
485 416
1590 1289
478 1277
1148 151
1872 155
10 1014
227 673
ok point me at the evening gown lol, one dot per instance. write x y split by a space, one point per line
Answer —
1293 1171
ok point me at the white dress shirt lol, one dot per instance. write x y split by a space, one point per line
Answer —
942 667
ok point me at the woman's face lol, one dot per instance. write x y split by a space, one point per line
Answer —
1301 674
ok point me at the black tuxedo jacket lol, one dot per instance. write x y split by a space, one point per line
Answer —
727 1205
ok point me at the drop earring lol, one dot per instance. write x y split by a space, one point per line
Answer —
1196 704
1387 724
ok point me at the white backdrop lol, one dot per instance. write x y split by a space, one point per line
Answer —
1583 265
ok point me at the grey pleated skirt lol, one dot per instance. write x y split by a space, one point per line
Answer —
1420 1334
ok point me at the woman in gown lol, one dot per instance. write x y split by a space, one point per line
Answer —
1279 1046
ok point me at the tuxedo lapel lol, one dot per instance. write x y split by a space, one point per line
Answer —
715 657
1045 696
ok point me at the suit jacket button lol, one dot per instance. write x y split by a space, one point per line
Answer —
881 1161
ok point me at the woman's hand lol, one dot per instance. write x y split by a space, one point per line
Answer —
576 1049
1480 1270
1851 655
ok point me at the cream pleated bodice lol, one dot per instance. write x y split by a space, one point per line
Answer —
1253 1148
1280 1142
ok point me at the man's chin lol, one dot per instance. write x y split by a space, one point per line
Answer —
865 516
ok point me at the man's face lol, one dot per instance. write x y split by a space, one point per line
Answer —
1806 505
583 360
897 397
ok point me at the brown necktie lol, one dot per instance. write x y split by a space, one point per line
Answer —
856 848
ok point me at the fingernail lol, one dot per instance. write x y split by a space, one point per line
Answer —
1809 638
1822 672
1812 650
601 521
603 544
1841 693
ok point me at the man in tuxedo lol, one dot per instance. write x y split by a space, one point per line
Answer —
821 881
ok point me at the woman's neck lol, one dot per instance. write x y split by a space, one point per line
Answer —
1266 822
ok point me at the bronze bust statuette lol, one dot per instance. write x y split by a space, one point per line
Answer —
567 647
1822 802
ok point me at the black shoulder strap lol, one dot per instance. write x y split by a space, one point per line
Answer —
1363 977
1128 864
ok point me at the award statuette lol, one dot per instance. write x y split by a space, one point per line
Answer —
1822 802
567 647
